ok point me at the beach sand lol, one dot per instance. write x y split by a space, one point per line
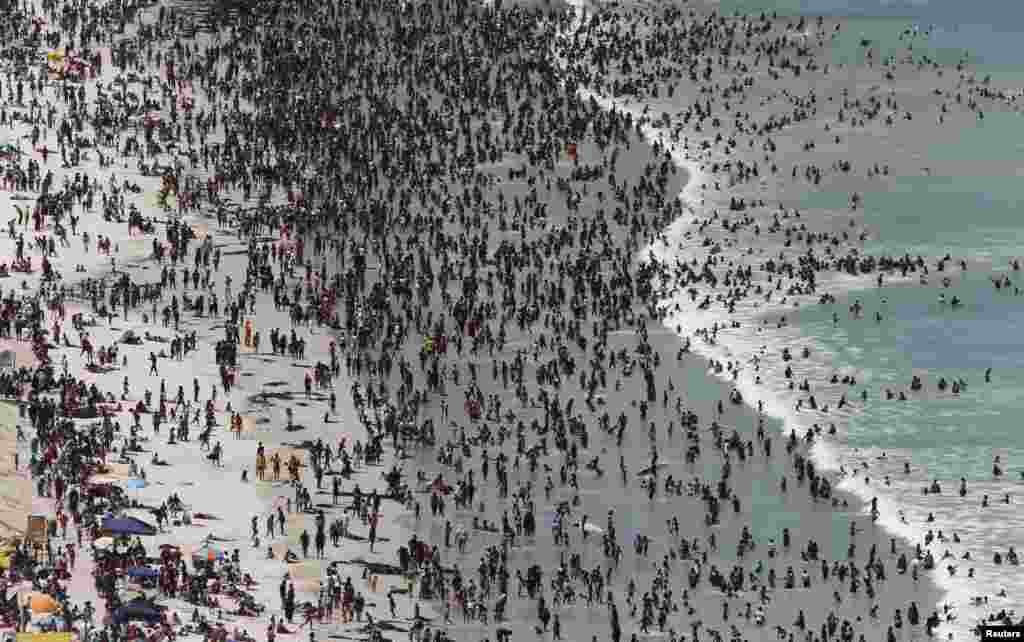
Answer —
15 482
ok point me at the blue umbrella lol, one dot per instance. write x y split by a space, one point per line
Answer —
136 611
127 526
143 571
136 483
50 619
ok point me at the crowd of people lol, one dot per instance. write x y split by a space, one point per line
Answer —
425 181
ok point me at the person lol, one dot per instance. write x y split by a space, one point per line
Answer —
304 541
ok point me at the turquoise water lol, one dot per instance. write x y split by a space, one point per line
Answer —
971 217
974 213
948 435
969 207
989 29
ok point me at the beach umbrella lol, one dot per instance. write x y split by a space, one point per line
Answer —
50 620
42 603
131 595
128 526
142 571
137 611
136 483
103 542
207 553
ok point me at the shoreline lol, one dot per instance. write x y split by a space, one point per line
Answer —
889 509
860 503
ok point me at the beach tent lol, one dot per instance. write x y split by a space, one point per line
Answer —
127 526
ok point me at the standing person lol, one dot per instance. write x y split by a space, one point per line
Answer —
152 365
289 603
373 531
321 542
358 604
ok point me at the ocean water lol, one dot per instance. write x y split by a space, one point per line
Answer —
967 208
989 29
